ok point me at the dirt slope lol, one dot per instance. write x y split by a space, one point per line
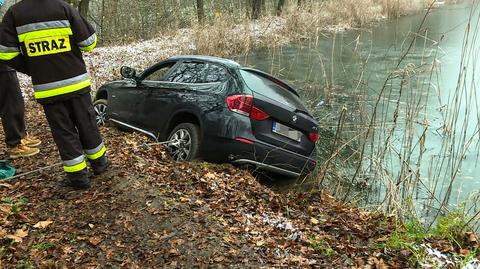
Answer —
150 212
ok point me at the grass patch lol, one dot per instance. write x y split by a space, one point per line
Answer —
451 226
43 246
322 247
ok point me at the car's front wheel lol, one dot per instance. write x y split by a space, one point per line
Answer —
185 142
100 106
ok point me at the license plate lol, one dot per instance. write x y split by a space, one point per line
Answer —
284 130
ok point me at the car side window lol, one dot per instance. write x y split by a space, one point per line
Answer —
160 73
216 73
188 73
197 72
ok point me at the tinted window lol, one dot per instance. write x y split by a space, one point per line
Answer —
215 73
194 72
160 73
272 90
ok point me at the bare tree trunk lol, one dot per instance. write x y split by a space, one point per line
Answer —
200 11
83 7
280 5
264 7
256 9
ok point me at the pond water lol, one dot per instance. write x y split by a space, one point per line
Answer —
420 84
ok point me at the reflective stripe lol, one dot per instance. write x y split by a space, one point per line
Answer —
62 90
60 83
75 165
6 56
45 33
97 154
75 161
89 43
42 26
8 53
9 49
89 48
75 168
95 150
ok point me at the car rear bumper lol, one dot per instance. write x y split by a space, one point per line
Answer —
261 155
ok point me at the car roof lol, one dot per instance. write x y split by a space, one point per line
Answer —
226 62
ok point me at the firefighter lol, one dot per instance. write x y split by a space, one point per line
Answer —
12 112
47 37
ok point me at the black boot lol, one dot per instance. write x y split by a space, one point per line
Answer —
78 180
100 165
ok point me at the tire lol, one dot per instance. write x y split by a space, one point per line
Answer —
188 148
100 106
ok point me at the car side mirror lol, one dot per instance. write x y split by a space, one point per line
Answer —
128 72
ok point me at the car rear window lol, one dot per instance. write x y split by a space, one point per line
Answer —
271 89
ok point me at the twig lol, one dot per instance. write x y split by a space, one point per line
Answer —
34 171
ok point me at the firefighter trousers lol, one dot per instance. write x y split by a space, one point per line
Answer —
75 132
12 108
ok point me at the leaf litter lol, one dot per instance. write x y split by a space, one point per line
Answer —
148 211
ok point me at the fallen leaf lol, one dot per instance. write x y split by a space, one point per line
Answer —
21 233
5 208
260 243
95 240
6 185
174 251
18 236
67 250
219 259
472 238
314 221
42 224
209 175
464 252
14 238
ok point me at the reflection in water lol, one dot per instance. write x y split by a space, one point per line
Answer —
423 140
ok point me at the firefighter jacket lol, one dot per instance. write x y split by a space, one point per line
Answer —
45 39
4 68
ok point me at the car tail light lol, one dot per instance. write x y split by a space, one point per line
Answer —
244 140
243 104
258 114
313 137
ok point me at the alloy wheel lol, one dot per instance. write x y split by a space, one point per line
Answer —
181 146
100 114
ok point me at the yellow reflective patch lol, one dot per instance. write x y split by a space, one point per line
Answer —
75 168
45 33
6 56
98 154
47 45
89 48
62 90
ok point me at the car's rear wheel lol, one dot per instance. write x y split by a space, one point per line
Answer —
185 145
100 106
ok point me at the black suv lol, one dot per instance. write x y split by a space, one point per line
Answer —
215 109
